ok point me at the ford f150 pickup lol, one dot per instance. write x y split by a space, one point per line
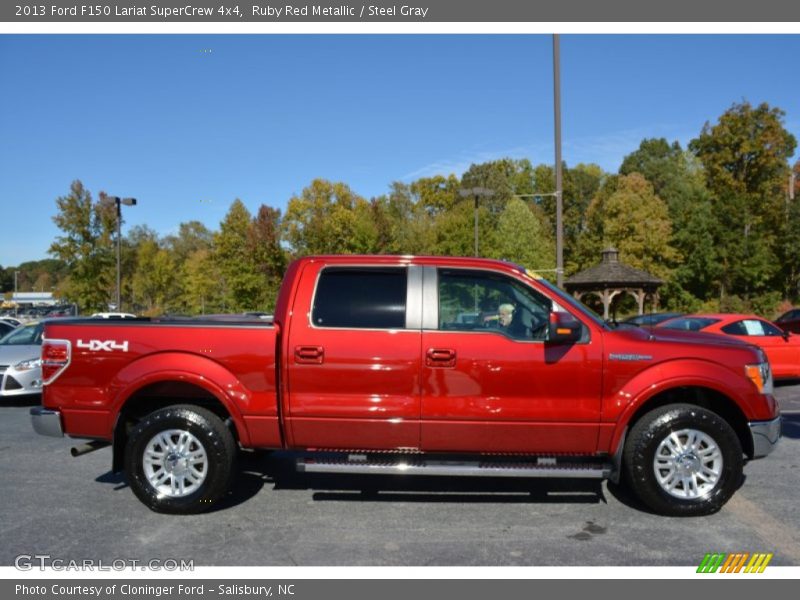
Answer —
412 366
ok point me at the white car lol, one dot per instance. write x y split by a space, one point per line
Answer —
113 315
20 366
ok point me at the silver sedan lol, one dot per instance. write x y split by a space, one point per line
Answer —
20 363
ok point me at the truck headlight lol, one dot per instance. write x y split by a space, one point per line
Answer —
27 365
761 376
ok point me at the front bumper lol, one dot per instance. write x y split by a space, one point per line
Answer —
46 421
765 436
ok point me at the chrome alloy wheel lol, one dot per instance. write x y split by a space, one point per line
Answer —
175 463
688 464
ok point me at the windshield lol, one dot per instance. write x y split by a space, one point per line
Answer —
689 323
27 335
568 300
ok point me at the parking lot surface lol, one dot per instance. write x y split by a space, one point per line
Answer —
76 509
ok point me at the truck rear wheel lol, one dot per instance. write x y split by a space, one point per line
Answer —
180 459
683 460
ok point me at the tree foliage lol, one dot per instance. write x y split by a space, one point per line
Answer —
714 221
86 246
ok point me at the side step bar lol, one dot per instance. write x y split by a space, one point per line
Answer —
483 467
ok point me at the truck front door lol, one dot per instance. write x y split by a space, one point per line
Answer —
490 382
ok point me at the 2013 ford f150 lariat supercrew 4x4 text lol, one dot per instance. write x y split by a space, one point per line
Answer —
416 366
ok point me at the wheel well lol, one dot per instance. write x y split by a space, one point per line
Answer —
157 396
706 398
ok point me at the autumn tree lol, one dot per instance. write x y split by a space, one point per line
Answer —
266 254
329 218
628 215
86 246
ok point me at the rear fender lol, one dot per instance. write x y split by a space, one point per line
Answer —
185 368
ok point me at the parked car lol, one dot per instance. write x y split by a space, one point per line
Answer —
782 348
650 319
113 315
11 321
789 321
20 364
375 365
6 328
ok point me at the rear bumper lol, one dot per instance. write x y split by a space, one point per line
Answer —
765 436
46 421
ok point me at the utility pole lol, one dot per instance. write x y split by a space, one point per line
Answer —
559 190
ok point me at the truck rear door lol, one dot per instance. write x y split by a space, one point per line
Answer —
353 358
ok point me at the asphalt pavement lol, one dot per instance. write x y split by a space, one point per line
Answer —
76 509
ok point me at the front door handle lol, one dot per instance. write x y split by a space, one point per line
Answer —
309 355
440 357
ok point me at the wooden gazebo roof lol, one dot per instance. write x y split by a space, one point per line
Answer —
611 278
611 273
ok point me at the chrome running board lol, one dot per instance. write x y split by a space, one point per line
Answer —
567 468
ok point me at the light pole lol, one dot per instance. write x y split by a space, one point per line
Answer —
557 119
476 192
108 201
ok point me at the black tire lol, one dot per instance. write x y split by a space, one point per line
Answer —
207 433
646 438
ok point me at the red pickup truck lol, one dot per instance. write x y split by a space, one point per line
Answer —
412 366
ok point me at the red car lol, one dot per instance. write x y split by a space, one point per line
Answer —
782 348
790 321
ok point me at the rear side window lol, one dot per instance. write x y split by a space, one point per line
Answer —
752 327
361 298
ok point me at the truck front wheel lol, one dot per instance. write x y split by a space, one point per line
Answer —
683 460
180 459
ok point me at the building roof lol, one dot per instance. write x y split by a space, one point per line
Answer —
611 273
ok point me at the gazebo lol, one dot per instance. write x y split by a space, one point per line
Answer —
611 278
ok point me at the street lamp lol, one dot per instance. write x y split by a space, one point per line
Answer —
116 200
476 192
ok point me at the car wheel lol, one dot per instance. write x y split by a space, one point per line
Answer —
180 459
683 460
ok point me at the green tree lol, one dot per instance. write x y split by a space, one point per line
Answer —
153 283
86 247
233 257
745 156
201 291
522 239
678 179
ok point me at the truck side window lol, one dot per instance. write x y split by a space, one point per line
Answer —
364 298
482 301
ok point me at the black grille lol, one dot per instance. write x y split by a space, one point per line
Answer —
12 384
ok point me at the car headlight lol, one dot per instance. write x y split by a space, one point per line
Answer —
761 376
27 365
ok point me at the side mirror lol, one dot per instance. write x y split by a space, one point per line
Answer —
563 329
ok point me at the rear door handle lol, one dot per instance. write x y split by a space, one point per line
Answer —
440 357
309 355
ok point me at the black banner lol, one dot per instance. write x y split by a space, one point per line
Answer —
416 11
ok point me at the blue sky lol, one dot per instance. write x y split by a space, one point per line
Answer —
187 123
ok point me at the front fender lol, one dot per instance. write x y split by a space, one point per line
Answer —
185 368
622 404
